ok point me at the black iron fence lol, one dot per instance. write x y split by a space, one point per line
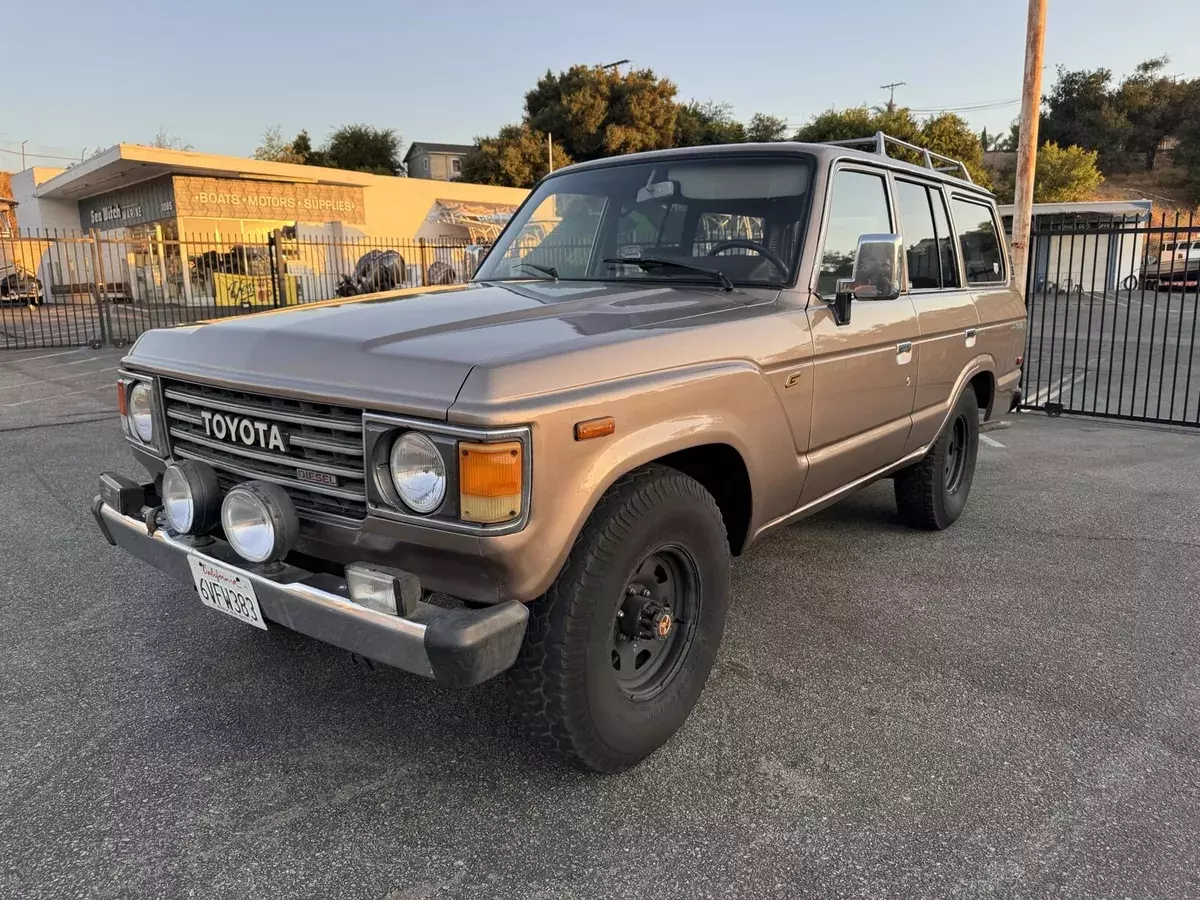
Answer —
62 289
1112 320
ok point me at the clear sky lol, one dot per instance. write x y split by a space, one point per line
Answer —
82 74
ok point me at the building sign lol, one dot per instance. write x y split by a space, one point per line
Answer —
149 201
236 198
252 290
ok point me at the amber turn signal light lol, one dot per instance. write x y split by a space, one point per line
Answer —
594 428
490 481
122 399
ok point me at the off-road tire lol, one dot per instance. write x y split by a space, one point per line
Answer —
923 497
563 682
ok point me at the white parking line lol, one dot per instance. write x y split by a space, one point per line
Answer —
991 441
102 387
25 384
49 355
1051 391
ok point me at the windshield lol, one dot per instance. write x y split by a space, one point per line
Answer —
722 219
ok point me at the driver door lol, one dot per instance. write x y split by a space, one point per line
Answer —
865 372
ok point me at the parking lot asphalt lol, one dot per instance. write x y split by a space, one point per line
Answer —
57 385
1010 708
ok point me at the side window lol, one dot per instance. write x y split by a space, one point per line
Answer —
859 206
920 237
947 252
982 256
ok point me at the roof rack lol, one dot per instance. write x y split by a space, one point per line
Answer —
878 143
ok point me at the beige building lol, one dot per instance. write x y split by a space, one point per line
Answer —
156 214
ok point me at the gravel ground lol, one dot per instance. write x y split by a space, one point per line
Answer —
1010 708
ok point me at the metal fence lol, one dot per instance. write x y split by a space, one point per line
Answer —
62 289
1112 320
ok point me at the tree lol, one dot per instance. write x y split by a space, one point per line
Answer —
166 141
1187 154
697 124
1012 140
274 149
599 112
764 128
1081 111
361 148
1064 175
516 157
947 134
1153 104
303 148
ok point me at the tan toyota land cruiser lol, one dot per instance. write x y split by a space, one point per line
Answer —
547 470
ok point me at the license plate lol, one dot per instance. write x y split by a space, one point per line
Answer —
225 590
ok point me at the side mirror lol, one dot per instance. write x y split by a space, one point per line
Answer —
877 273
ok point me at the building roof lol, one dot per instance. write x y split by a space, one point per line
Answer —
438 148
127 164
1087 208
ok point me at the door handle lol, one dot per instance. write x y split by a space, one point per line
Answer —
970 337
905 347
971 332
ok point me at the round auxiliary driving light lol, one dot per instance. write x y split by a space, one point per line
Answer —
141 415
418 472
260 521
191 497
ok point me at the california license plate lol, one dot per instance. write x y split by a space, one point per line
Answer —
225 590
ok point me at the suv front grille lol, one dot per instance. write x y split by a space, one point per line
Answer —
321 441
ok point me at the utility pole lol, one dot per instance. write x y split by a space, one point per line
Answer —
891 89
1027 142
23 143
550 150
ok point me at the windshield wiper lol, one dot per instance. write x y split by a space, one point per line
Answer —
647 263
545 270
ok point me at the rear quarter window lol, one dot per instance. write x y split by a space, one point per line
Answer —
979 237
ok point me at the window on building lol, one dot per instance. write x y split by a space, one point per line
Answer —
425 163
859 207
979 236
919 235
456 165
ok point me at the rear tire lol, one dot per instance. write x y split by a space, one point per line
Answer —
931 495
596 680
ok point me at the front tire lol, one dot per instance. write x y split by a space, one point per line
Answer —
618 650
931 495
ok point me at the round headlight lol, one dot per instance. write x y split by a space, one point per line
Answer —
191 496
140 415
418 472
260 521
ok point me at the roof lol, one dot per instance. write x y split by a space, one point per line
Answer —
1087 207
824 152
438 148
127 164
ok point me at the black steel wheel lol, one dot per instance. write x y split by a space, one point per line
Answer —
618 650
955 454
654 626
932 494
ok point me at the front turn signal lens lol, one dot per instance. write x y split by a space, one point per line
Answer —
490 481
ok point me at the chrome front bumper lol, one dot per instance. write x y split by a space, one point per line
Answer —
456 647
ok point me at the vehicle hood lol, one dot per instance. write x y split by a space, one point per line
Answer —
411 352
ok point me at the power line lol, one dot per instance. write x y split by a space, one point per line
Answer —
968 107
39 155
